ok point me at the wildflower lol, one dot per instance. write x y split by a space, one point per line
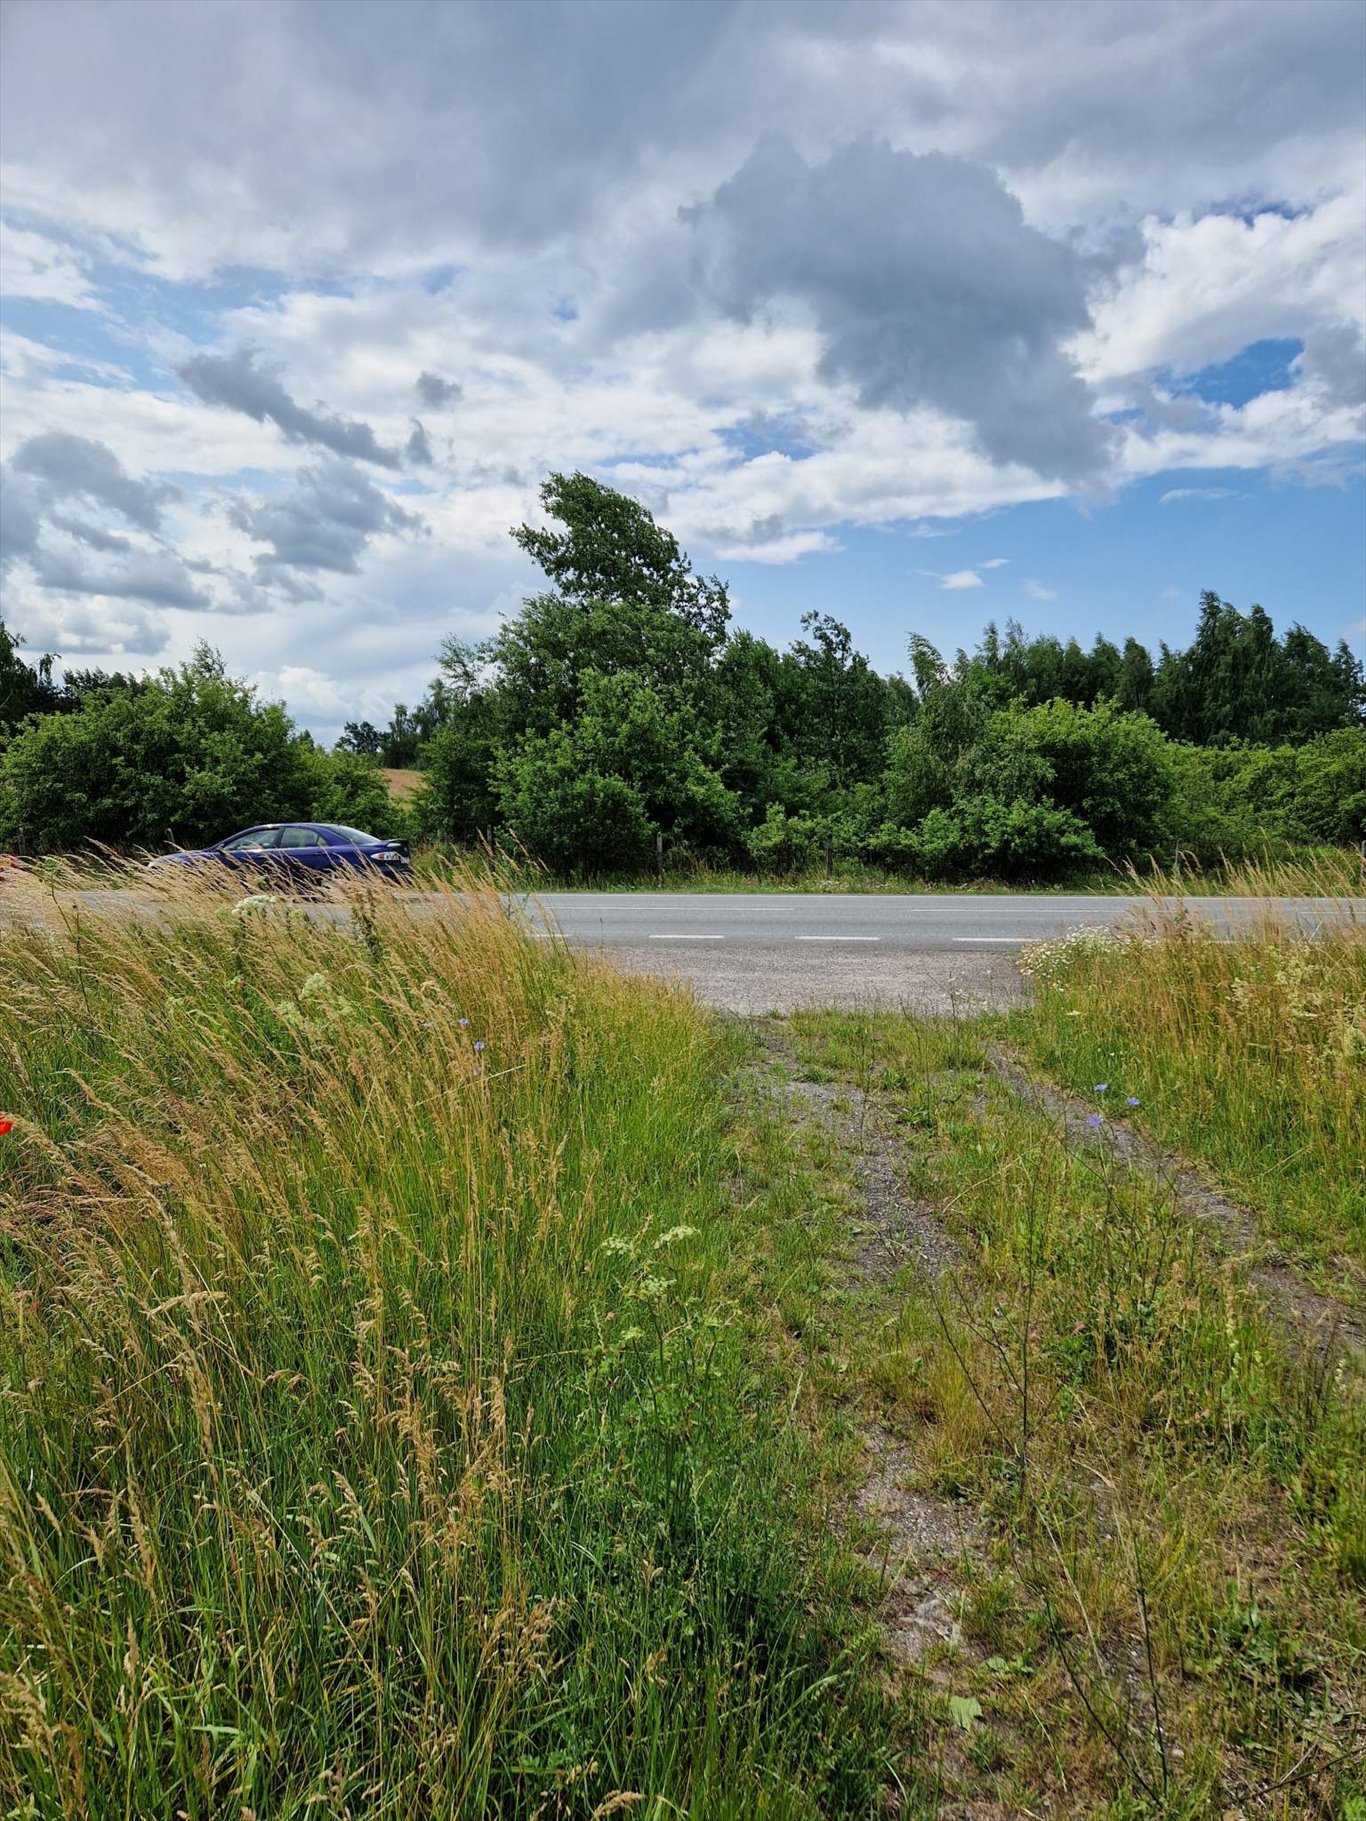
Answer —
464 1024
1096 1119
6 1126
1133 1101
478 1045
1102 1086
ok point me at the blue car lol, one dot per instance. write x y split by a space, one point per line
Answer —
299 854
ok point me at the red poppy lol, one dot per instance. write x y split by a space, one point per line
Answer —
6 1125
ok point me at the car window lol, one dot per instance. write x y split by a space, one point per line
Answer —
301 837
252 838
354 837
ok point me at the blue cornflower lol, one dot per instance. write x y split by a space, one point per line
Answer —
478 1045
464 1024
1101 1086
1133 1101
1096 1119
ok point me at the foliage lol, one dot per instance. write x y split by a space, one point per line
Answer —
181 759
25 689
1236 681
184 762
1007 840
622 692
348 788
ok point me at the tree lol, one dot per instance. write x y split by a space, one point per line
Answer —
361 737
840 707
24 688
611 549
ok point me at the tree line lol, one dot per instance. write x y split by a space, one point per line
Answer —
620 706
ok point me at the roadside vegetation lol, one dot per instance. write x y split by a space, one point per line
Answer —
1249 1055
389 1420
1161 1468
619 717
439 1374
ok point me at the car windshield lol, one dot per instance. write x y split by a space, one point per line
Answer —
357 837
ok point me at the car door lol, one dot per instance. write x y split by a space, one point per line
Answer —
305 850
253 851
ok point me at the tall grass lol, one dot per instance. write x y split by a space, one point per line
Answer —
379 1430
1248 1052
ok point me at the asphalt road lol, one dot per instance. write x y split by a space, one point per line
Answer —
754 953
943 922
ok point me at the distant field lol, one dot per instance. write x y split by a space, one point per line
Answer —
403 785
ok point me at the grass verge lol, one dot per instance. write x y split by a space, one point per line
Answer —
1313 872
1248 1054
389 1416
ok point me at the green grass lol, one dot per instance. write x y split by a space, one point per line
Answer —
1170 1616
1248 1054
391 1425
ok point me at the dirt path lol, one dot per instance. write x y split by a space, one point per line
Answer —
922 1536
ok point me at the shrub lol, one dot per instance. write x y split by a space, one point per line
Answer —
571 816
1016 840
187 758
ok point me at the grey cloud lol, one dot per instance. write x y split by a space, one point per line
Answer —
621 95
75 467
418 449
156 576
134 634
88 559
326 522
436 393
1335 358
925 283
21 520
93 536
238 382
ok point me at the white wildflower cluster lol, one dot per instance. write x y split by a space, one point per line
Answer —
1048 963
316 1008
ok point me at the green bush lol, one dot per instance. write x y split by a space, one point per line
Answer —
982 836
568 815
186 760
349 788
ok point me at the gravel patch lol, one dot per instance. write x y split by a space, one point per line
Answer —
752 980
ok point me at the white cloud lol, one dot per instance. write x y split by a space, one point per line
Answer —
1206 286
43 270
1037 592
1175 494
994 562
762 415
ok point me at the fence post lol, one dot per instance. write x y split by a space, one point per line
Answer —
659 855
829 856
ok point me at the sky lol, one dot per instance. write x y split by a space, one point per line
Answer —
920 314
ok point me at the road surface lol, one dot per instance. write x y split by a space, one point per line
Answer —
944 921
752 952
